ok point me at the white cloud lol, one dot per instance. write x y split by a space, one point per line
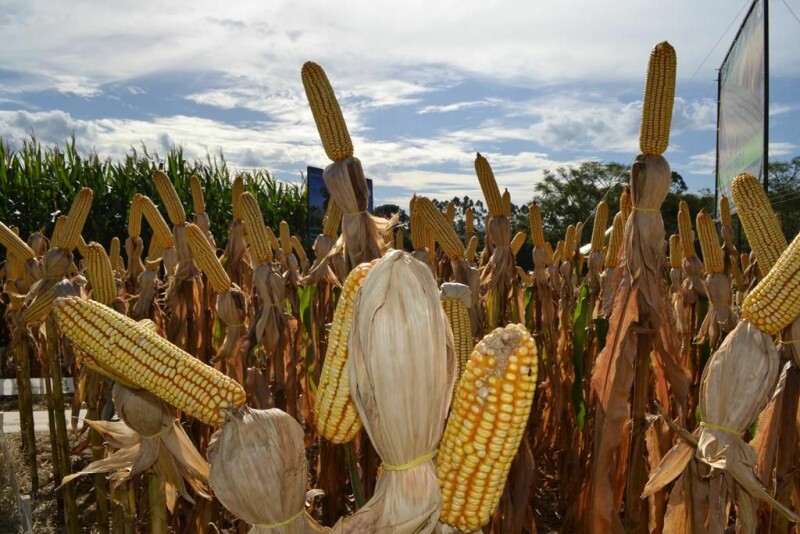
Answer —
704 163
458 106
779 149
781 109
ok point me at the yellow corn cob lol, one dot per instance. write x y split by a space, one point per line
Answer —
16 247
625 203
114 256
442 230
98 269
517 241
506 203
774 303
535 221
418 234
527 279
491 192
709 243
615 241
725 211
685 230
286 237
170 198
578 234
488 418
256 231
472 248
675 257
299 251
81 246
659 97
451 212
161 231
333 216
207 259
759 221
337 418
198 200
455 308
135 216
76 218
558 255
155 250
327 113
40 307
273 241
398 239
147 360
469 221
599 228
236 193
569 243
57 241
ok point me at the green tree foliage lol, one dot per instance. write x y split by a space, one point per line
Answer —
783 189
38 183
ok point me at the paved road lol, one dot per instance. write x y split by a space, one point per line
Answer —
40 424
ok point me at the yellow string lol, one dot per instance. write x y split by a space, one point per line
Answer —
788 341
409 465
722 428
282 523
637 208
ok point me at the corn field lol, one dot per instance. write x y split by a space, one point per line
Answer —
393 381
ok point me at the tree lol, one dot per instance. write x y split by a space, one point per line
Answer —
784 194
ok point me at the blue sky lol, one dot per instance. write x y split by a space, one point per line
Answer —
423 85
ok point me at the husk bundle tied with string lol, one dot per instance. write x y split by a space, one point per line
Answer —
402 394
258 471
736 385
149 437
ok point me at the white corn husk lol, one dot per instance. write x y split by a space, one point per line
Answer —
258 471
736 385
402 394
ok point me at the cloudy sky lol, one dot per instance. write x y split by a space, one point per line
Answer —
424 85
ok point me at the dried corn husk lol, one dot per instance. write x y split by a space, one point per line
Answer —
348 187
736 385
402 395
148 437
258 471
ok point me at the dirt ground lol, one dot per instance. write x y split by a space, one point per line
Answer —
47 517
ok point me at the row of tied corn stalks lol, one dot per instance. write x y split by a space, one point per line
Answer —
438 390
